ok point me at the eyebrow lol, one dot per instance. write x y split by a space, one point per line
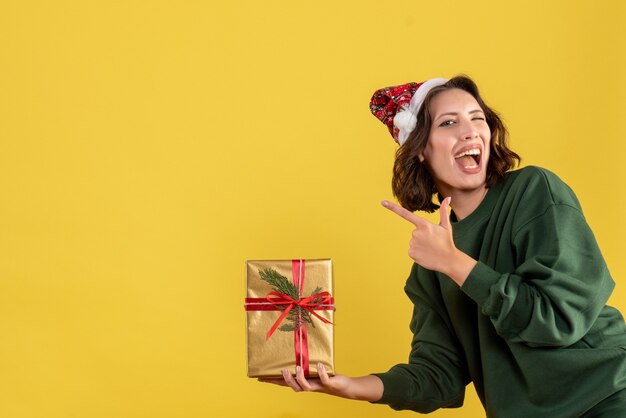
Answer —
471 112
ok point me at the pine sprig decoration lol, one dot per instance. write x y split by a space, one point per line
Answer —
315 292
287 327
297 316
279 283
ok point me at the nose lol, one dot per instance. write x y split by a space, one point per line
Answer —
468 130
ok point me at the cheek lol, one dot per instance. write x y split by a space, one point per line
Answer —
435 155
487 134
488 144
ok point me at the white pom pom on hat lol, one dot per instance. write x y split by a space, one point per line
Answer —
405 121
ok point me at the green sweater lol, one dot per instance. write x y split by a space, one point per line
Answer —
529 327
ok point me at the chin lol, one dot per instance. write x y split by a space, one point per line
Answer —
478 181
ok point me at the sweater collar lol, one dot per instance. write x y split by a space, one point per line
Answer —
482 212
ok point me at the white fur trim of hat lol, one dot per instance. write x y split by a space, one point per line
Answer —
406 119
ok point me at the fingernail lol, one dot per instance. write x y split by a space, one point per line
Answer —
384 203
298 369
320 366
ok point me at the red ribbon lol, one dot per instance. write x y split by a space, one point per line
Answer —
304 303
318 301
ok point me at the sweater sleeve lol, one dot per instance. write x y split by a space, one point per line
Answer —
560 284
435 376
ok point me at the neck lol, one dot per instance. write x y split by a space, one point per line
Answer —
465 202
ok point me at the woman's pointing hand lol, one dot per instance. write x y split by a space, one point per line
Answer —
432 245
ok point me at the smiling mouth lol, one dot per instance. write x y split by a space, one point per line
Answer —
469 158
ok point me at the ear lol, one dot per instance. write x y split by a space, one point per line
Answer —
421 157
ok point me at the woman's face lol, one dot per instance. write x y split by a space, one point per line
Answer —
458 144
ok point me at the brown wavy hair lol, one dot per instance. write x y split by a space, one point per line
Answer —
413 184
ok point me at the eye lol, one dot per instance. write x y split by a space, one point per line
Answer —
478 118
448 122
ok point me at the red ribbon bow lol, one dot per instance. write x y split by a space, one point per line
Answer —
304 303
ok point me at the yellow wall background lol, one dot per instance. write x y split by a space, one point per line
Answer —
148 148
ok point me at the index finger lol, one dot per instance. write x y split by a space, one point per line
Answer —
402 212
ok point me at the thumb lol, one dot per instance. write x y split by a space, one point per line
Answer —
444 213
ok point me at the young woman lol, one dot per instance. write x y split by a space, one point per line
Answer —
509 290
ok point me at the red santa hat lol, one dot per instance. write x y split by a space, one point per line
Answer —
397 106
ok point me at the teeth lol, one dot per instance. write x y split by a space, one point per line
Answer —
474 151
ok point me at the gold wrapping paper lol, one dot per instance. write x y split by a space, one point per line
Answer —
266 358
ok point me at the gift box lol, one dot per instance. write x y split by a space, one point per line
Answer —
289 316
